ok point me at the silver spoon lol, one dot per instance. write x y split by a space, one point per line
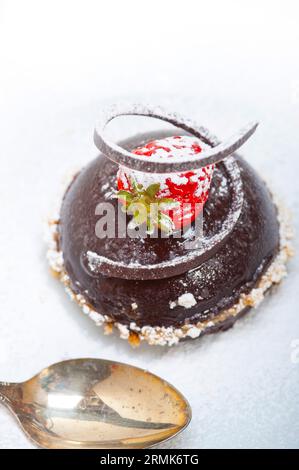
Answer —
95 403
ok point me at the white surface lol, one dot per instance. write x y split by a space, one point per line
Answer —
223 63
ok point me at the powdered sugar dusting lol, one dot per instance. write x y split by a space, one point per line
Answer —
186 300
170 147
156 164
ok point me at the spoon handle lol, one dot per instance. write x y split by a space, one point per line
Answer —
7 391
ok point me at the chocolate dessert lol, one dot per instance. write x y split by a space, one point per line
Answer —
169 281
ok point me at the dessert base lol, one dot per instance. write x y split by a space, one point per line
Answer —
168 336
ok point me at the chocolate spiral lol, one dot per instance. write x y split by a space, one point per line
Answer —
216 153
97 264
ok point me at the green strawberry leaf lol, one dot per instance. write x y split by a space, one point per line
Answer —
167 200
138 203
126 195
152 190
139 212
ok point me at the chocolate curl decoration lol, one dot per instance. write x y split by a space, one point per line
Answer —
215 154
96 264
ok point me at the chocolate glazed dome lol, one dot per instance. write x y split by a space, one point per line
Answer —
158 289
205 298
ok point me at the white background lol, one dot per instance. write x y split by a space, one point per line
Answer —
223 63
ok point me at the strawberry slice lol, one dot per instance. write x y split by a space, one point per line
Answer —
179 197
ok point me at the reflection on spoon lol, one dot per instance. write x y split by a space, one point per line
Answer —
95 403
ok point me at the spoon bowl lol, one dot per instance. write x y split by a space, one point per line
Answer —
96 404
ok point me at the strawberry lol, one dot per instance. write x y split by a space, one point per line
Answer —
178 198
